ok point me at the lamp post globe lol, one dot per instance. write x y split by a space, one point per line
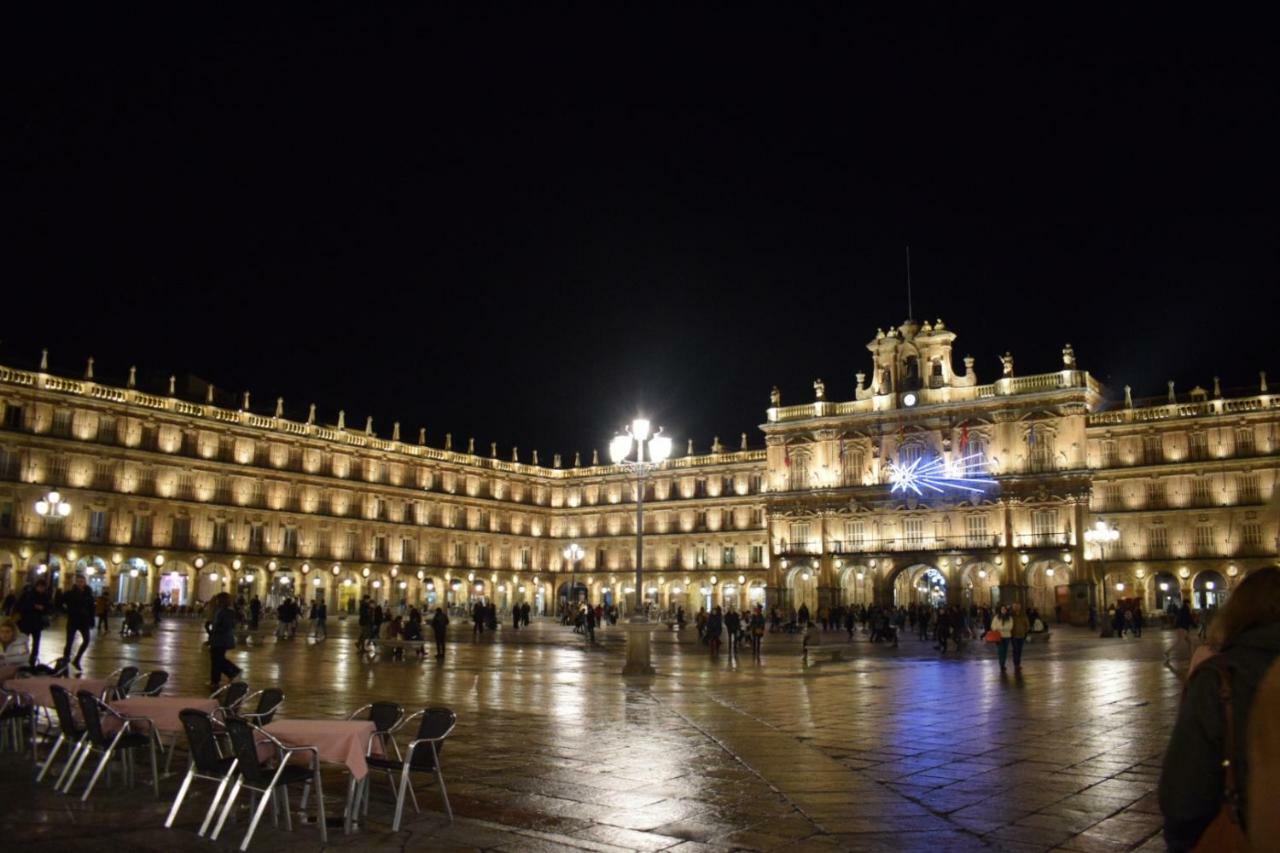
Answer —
52 508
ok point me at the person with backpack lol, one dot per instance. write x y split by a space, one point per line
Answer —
1204 784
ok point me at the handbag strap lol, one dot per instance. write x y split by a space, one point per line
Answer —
1230 790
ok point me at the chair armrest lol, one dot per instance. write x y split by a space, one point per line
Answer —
404 721
358 711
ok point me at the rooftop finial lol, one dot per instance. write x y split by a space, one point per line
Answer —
555 461
311 414
1217 388
775 397
471 446
1006 364
44 359
819 389
515 454
1262 377
395 431
577 459
246 401
342 418
595 457
716 446
535 457
422 435
368 425
744 441
173 381
1068 357
493 449
279 407
1128 397
208 395
1172 397
448 441
88 371
133 377
689 450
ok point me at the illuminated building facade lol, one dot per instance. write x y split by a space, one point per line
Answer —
186 499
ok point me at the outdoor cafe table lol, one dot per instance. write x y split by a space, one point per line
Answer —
38 686
162 710
338 741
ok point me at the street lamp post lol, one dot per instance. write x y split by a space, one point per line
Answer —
1101 535
52 508
573 553
638 439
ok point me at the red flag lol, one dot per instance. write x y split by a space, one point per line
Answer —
786 455
964 440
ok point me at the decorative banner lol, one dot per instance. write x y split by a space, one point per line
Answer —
931 474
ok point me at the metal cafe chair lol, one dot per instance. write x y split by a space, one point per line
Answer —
230 695
207 763
149 683
385 717
269 701
69 732
17 709
269 781
96 739
123 680
422 755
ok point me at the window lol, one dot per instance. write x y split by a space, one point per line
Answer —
220 536
141 530
700 555
62 423
257 538
1199 445
975 456
6 516
855 533
324 544
726 488
799 471
13 417
1039 448
913 531
380 548
851 464
601 560
1204 539
1247 489
1244 441
757 555
408 550
482 554
1045 522
702 519
756 481
291 541
975 530
728 557
1110 454
1157 541
800 537
1201 491
700 488
1155 494
1251 533
351 542
181 532
484 519
1152 449
526 561
97 525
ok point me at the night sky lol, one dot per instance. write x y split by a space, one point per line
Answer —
528 228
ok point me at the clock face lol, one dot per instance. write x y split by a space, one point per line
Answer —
909 398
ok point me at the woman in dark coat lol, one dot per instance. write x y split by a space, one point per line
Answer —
222 637
1247 635
439 623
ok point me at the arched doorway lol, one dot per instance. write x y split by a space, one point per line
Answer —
212 579
802 589
1166 593
1048 588
857 583
977 582
920 584
131 581
1209 590
96 574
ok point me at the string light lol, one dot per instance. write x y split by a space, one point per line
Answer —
931 474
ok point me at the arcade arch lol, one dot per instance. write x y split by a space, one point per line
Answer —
919 583
857 584
1163 590
132 581
1208 590
979 583
801 588
1048 587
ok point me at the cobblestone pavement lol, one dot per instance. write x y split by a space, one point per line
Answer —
872 749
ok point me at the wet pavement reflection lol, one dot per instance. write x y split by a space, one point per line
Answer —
856 746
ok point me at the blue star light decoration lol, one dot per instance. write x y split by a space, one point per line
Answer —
930 474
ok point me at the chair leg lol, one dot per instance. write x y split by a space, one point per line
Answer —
284 801
57 745
177 802
413 798
444 793
85 749
226 810
155 768
217 798
320 819
253 824
106 756
400 791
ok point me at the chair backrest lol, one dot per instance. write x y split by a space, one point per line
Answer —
436 724
66 716
92 717
230 695
244 745
127 675
156 679
269 701
385 715
201 740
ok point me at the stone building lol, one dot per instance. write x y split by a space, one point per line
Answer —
927 485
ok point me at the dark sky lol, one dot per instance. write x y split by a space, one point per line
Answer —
527 227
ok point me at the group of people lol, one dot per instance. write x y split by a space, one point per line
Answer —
748 624
377 623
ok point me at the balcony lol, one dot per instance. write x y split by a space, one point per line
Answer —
915 543
1061 539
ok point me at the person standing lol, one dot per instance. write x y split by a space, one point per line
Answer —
439 625
478 617
33 613
80 618
255 613
591 624
102 609
715 625
1018 635
757 630
1182 631
733 624
322 616
157 608
1003 622
222 638
515 617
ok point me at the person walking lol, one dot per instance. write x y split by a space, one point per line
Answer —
479 615
1018 635
33 614
591 624
322 616
102 609
1208 763
1003 622
80 618
1181 632
757 628
733 624
255 613
715 626
515 617
222 638
439 625
524 614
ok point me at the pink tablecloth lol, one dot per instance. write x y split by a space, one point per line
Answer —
38 687
162 710
339 741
